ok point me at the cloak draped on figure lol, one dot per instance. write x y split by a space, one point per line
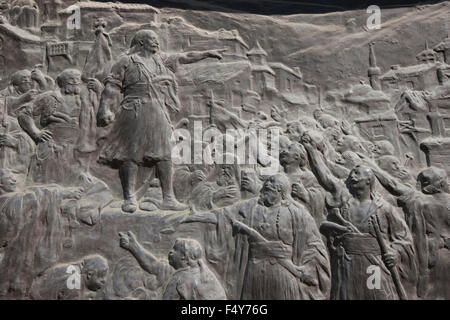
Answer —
351 254
260 270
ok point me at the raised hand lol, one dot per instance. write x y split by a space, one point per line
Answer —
246 183
306 141
127 240
226 192
95 85
37 75
198 176
365 160
298 190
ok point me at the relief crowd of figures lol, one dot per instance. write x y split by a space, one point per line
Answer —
339 206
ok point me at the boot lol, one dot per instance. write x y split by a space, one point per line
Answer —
170 203
127 174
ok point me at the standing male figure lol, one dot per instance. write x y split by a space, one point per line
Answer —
354 248
141 134
427 213
273 250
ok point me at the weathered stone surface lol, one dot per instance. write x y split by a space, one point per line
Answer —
162 153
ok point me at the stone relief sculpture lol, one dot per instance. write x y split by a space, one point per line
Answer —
286 257
425 214
142 133
191 279
153 154
36 224
52 284
353 210
25 13
98 62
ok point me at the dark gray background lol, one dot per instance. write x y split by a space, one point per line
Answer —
277 6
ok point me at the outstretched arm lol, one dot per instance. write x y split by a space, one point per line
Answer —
195 56
201 217
391 184
319 168
253 235
145 258
337 169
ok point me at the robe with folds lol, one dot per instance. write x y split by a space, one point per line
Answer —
142 131
428 217
260 269
316 195
354 255
196 282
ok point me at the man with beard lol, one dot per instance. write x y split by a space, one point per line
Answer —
69 114
427 214
392 165
221 193
305 187
276 252
185 277
383 148
18 147
141 134
294 131
187 178
352 241
349 143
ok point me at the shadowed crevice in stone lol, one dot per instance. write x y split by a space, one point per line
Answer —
280 7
